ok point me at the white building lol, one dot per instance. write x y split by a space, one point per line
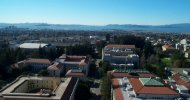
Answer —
33 46
120 54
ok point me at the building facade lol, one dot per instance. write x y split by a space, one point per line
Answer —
40 88
120 54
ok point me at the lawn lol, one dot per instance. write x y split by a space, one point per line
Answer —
167 61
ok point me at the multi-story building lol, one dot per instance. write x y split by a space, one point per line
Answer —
120 55
71 62
40 88
55 70
77 73
140 86
131 73
35 64
34 46
38 64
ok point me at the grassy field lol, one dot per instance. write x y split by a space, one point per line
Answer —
167 61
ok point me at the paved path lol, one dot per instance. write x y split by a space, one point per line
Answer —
95 87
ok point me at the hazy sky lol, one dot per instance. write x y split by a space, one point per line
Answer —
95 12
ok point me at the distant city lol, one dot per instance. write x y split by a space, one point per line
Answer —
175 28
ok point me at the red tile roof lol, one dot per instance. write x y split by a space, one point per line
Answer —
157 90
55 66
146 75
140 89
83 62
120 46
180 81
117 90
75 58
122 74
74 74
136 84
38 60
167 46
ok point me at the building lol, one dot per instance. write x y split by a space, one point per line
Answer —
183 42
141 88
32 45
40 88
132 73
167 47
187 54
35 46
181 83
55 70
139 84
77 73
120 54
179 80
35 64
38 64
71 62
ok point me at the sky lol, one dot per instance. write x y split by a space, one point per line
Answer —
95 12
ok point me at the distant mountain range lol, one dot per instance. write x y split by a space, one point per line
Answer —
182 27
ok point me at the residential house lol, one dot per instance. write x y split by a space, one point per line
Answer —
167 47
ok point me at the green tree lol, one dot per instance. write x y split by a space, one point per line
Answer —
83 91
44 72
148 49
106 88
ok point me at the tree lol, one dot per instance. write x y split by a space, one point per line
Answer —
92 69
177 63
148 49
186 64
139 42
106 88
44 72
142 61
2 83
154 59
83 91
41 52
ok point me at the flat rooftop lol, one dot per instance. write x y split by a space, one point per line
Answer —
32 45
58 92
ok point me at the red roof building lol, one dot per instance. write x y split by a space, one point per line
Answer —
76 73
181 81
120 46
55 70
167 47
141 88
130 75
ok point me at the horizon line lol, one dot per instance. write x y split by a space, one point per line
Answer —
86 24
